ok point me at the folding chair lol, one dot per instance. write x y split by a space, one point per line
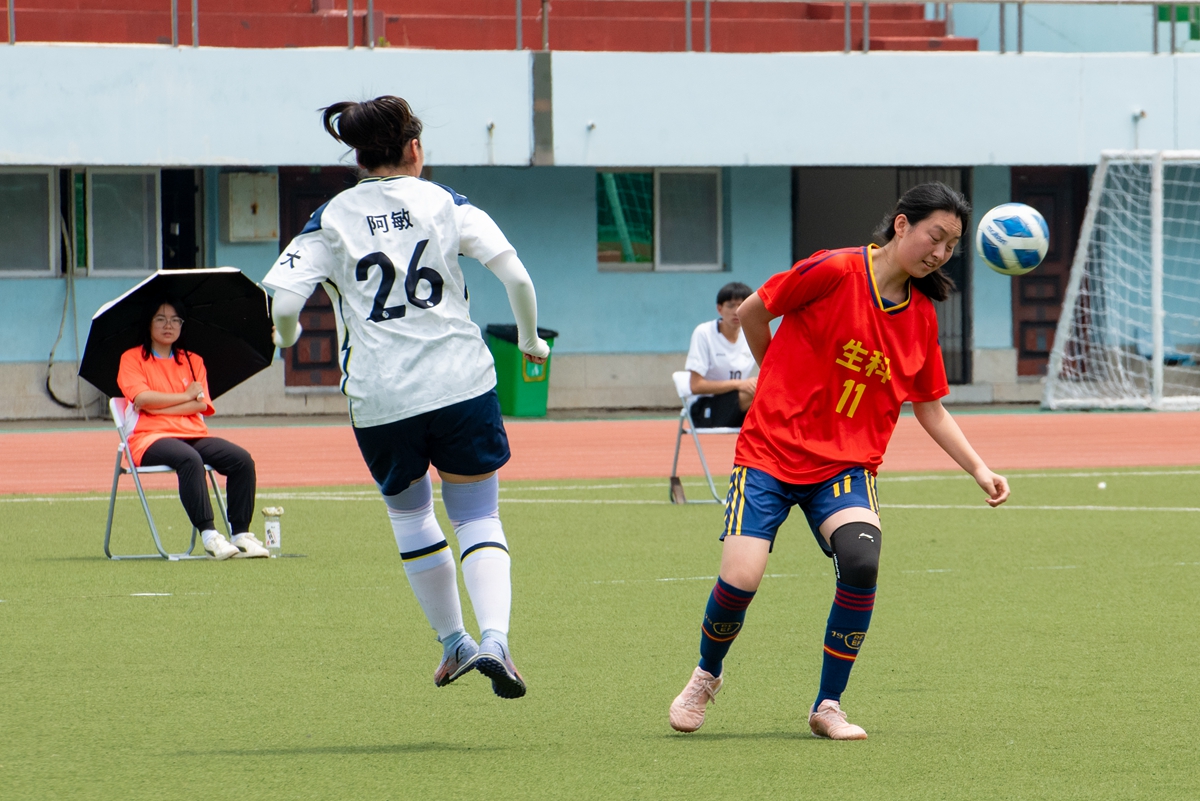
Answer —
125 417
683 387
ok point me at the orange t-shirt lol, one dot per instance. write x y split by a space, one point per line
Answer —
837 370
138 374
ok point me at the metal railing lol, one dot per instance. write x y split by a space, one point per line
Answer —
943 12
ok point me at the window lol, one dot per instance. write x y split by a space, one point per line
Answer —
663 219
28 237
123 221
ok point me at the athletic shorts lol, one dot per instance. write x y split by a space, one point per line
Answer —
718 411
758 503
466 438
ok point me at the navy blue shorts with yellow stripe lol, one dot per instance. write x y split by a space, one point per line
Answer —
758 503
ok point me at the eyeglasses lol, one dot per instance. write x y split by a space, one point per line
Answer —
175 322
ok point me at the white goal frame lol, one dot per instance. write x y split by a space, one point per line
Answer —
1152 395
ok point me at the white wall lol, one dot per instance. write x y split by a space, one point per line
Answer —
153 105
884 109
127 105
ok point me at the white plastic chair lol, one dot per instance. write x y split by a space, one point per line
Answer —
125 417
683 388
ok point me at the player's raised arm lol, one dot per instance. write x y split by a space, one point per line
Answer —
285 313
934 418
756 322
521 296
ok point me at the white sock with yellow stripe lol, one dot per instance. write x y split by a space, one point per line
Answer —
428 561
474 510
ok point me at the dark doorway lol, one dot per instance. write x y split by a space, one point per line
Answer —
313 360
1060 194
180 247
836 207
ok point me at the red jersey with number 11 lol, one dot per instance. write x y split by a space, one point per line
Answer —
840 365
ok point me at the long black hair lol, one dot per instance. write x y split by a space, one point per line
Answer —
151 311
917 204
379 130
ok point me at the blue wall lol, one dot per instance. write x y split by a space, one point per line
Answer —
1069 28
254 259
32 308
549 214
991 306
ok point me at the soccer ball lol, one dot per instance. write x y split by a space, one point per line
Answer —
1012 238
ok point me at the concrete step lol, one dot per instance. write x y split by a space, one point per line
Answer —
921 42
647 35
737 27
906 11
164 6
216 30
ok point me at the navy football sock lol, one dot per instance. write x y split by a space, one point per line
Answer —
849 618
723 618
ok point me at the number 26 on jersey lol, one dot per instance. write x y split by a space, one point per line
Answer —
380 310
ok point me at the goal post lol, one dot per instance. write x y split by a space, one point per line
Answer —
1128 336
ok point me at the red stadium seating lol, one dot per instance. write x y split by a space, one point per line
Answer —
616 25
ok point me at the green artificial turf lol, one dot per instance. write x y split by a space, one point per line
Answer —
1016 653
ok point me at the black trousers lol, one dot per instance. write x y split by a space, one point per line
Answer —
188 457
718 411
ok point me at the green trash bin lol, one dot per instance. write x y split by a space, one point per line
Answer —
522 385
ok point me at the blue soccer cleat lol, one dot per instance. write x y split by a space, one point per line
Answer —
495 662
457 662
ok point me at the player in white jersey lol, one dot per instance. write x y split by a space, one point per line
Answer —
722 365
419 377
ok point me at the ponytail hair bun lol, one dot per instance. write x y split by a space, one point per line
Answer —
379 130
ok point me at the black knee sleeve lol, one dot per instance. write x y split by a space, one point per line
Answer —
856 554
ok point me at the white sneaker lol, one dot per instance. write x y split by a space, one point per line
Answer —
687 710
249 547
218 547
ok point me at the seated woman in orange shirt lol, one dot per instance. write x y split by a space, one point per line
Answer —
168 387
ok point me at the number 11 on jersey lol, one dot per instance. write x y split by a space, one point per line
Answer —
850 388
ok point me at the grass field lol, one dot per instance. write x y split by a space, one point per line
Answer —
1044 650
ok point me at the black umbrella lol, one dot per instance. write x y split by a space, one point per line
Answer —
228 325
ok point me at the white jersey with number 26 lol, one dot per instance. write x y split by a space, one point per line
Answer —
387 252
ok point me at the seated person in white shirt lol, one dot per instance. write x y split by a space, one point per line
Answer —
721 364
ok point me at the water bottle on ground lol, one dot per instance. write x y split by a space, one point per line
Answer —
271 515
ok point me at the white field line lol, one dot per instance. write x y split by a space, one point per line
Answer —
688 578
318 496
985 508
150 594
340 495
1019 475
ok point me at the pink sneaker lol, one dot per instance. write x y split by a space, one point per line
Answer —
828 720
687 710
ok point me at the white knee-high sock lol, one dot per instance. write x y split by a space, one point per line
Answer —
485 566
429 565
474 512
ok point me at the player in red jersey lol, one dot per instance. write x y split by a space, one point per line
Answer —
858 338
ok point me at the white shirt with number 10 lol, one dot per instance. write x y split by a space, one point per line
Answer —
387 253
715 358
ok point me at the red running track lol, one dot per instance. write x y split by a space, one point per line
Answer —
305 455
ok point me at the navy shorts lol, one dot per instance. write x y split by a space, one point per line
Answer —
758 503
466 438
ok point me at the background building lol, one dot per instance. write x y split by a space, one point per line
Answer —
123 157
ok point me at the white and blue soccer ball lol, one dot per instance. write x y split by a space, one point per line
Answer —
1012 238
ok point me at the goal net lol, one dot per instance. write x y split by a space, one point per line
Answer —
1129 334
